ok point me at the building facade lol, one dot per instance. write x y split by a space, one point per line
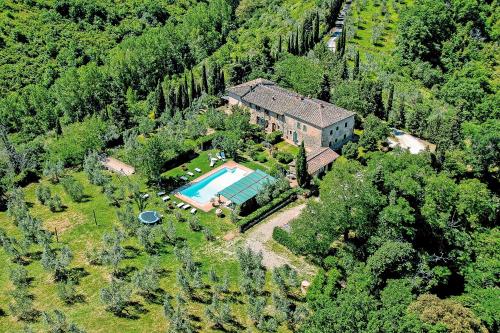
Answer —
317 123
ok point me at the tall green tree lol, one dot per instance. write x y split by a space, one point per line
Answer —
303 177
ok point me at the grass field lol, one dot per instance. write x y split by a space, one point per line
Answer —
368 19
77 229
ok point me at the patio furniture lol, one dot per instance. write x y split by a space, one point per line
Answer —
223 155
184 178
212 162
197 169
180 204
186 206
165 198
193 211
218 156
161 193
190 173
145 196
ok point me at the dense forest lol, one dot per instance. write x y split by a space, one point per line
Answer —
402 242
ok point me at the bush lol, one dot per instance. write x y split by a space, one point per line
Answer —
274 137
283 237
55 204
284 157
73 188
77 140
262 158
43 194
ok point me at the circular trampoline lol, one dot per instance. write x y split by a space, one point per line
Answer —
149 217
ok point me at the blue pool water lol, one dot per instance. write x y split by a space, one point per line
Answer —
207 188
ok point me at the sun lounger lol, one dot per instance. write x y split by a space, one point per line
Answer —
145 196
190 173
212 162
165 198
218 156
186 206
184 178
197 169
223 155
161 193
193 211
180 204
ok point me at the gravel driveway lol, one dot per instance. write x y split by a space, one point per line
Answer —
259 238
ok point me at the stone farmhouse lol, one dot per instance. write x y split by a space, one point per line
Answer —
317 123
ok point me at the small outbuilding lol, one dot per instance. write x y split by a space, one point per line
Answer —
318 161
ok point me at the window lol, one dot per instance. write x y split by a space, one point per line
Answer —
304 128
345 125
290 132
336 140
298 125
337 128
345 136
331 132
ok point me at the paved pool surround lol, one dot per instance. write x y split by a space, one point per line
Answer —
200 201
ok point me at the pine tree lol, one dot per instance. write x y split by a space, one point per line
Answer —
324 94
301 166
355 70
204 79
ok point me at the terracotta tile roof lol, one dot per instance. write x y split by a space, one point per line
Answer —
320 158
268 95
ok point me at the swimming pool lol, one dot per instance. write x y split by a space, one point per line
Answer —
207 188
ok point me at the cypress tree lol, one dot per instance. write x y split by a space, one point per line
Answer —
355 70
58 127
301 166
316 28
390 100
324 94
204 79
279 45
296 42
400 114
160 103
345 72
222 81
194 93
289 46
379 109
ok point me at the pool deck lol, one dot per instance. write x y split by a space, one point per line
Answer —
207 206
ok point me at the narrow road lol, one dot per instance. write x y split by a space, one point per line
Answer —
258 238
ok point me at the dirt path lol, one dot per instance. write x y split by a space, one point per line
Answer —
259 239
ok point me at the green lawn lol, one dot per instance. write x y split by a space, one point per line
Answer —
287 148
76 228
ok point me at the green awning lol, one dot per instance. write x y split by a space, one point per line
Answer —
247 187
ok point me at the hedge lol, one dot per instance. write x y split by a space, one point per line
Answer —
264 211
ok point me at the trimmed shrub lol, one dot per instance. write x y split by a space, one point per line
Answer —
283 237
284 157
274 137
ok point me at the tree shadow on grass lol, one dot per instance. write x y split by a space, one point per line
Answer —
125 272
77 273
132 311
131 252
